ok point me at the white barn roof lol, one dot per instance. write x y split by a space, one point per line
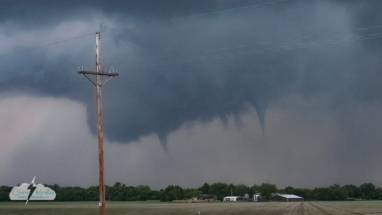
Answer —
289 196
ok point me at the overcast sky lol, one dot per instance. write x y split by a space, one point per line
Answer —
286 92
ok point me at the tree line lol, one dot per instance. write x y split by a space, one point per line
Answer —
121 192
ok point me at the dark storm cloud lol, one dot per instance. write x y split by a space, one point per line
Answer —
177 72
44 13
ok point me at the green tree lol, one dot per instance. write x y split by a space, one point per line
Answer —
4 193
118 192
289 190
305 193
231 188
352 191
205 188
240 190
378 193
254 189
266 190
337 193
189 193
92 194
321 193
220 190
334 192
367 190
173 193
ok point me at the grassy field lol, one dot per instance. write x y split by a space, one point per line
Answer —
119 208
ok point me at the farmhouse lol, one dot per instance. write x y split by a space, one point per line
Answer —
287 198
232 198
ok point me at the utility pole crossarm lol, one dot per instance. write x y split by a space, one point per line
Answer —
95 73
98 74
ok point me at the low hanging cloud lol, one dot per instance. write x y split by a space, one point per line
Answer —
297 145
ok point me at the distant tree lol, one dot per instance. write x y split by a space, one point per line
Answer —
189 193
266 190
334 192
205 188
254 189
71 194
118 192
178 193
352 191
289 190
54 187
337 193
107 193
92 193
321 193
231 188
173 193
241 190
367 190
220 190
378 193
4 193
139 193
305 193
161 194
121 192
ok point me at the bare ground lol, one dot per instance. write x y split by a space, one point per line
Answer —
157 208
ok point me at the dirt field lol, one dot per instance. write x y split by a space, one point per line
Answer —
119 208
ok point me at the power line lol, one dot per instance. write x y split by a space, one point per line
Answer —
263 51
199 15
204 14
182 18
151 23
261 43
46 45
222 11
284 48
207 50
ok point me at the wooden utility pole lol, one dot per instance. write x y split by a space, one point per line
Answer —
98 82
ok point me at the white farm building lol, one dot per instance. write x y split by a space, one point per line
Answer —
287 198
232 198
280 197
